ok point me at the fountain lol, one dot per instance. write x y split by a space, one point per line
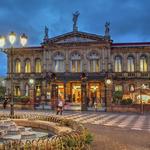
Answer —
10 131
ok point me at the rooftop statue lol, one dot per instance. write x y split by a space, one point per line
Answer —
46 33
75 19
107 29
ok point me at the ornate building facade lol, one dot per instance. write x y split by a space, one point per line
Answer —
70 56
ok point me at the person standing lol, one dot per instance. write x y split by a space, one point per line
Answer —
95 104
5 103
60 106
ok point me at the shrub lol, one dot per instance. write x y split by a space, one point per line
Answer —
117 97
128 101
22 99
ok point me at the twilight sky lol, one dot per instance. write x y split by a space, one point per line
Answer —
130 19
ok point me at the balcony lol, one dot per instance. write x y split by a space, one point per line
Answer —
144 74
17 76
131 74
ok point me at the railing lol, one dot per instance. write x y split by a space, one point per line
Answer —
131 74
144 74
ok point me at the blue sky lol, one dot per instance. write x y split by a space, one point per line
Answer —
130 19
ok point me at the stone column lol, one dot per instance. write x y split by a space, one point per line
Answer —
137 65
83 93
44 60
22 88
84 63
65 91
108 95
103 60
54 95
32 95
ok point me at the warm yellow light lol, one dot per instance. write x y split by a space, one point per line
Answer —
108 81
2 41
31 81
23 39
12 38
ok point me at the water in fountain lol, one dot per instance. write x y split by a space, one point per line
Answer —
10 131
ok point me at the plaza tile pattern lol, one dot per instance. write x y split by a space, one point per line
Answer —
123 120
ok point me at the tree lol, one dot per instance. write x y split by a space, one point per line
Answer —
2 91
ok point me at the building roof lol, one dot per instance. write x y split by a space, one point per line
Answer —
76 37
135 44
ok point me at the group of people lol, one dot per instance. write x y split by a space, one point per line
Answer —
60 105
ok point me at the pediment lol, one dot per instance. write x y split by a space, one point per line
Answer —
76 37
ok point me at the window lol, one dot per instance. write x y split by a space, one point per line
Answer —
38 66
118 64
76 63
59 65
17 66
38 90
143 64
27 66
17 91
130 65
94 62
118 88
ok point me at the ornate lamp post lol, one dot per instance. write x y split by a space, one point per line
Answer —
54 91
47 78
108 82
12 40
83 92
143 87
32 91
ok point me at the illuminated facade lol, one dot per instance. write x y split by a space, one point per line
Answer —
71 54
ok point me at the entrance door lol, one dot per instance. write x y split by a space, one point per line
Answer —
94 93
76 92
61 90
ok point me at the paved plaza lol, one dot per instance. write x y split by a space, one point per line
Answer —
122 120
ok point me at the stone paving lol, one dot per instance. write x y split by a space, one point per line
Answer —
123 120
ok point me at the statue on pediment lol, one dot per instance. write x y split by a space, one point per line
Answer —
75 19
107 29
46 33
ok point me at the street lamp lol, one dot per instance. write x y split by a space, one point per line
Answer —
142 88
107 83
54 91
31 82
32 90
12 40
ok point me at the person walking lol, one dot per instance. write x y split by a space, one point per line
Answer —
95 104
60 106
5 103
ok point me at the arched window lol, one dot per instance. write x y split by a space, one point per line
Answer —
27 66
59 65
118 64
94 62
130 65
76 64
17 66
38 67
143 64
17 91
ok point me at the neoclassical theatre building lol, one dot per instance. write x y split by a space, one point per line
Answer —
60 63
